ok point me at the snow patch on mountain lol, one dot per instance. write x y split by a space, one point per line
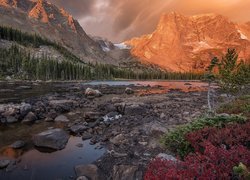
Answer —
242 36
122 46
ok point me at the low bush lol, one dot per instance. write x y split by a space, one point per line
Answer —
229 136
214 163
176 140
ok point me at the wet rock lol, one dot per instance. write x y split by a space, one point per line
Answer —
55 139
4 163
78 128
86 136
25 109
91 93
29 118
10 111
90 171
61 118
18 145
91 116
51 116
166 157
129 91
126 172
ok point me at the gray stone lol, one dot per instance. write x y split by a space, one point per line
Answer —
55 139
18 145
154 127
166 157
90 171
4 163
11 119
25 109
126 172
92 116
29 118
61 118
82 178
117 139
86 136
8 78
78 128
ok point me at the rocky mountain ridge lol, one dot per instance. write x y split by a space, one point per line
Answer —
188 43
43 18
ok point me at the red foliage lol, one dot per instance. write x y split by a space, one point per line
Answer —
215 163
231 135
217 151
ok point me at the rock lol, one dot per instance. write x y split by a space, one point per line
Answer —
224 115
80 145
18 145
112 116
86 136
162 115
11 119
143 143
117 140
61 118
129 91
154 128
126 172
4 163
166 157
90 171
10 111
8 78
78 128
92 116
89 92
29 118
186 113
25 109
55 139
51 116
188 84
62 106
82 178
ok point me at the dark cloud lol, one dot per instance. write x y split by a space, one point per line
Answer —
77 8
119 20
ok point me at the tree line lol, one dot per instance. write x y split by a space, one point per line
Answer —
20 63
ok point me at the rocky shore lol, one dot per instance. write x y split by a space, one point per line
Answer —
125 120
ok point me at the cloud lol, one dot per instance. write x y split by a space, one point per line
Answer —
119 20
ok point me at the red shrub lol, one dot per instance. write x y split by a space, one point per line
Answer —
215 163
231 135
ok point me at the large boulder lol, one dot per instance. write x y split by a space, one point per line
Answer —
18 144
54 138
90 171
4 163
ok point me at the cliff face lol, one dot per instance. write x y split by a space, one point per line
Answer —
56 24
188 43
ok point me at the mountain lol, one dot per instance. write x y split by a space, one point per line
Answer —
188 43
45 19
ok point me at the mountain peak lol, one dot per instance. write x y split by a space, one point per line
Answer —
187 43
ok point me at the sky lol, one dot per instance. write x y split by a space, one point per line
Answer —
119 20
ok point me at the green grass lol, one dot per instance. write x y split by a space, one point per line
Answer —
240 105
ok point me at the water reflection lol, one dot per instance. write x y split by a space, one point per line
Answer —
56 165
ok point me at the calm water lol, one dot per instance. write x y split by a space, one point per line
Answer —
36 165
11 92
